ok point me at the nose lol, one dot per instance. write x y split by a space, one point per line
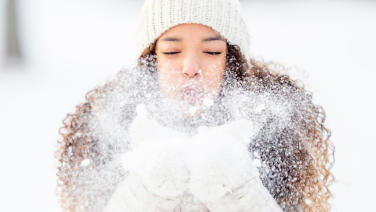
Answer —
191 68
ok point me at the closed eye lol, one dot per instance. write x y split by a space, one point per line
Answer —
170 53
214 53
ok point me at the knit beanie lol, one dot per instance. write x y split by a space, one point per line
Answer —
223 16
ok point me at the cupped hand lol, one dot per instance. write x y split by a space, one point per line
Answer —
157 157
219 161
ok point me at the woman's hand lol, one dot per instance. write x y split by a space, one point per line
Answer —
222 174
157 157
219 161
157 176
160 167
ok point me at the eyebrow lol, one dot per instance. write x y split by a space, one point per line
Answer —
171 39
218 37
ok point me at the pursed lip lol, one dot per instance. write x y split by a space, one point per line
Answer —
191 94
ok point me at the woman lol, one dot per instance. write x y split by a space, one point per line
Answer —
203 100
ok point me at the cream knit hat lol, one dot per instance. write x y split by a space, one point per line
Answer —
223 16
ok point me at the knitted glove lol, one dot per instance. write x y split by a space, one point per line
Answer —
218 159
156 166
222 174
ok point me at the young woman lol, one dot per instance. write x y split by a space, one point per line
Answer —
216 132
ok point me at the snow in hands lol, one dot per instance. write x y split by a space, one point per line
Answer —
210 164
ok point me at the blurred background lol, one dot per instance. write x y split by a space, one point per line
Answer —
52 52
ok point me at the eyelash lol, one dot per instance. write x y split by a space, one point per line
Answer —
170 53
214 53
173 53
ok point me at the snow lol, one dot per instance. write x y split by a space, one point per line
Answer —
85 162
215 156
208 102
192 110
71 46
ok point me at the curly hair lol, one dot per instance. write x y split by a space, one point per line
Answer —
295 162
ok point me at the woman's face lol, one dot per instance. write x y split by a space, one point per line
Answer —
191 65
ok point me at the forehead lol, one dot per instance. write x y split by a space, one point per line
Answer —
190 31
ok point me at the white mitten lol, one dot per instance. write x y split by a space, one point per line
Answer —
158 176
222 174
220 161
157 157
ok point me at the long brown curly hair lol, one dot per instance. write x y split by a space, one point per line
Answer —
295 168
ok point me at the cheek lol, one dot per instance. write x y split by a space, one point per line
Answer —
168 77
214 75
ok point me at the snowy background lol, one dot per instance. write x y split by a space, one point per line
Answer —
70 46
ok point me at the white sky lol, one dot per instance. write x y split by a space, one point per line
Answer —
71 46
